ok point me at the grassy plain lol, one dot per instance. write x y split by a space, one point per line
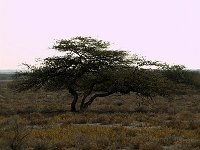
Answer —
42 120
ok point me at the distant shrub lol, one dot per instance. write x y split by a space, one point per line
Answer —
181 75
4 76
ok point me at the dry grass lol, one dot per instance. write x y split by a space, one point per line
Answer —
115 122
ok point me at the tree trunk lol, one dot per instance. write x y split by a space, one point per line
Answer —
73 104
86 94
75 99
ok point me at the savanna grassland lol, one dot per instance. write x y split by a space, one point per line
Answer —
42 120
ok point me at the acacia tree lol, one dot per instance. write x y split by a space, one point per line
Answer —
91 68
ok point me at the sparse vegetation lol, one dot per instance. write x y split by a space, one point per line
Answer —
123 115
113 122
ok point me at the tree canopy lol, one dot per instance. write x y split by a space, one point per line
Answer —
89 68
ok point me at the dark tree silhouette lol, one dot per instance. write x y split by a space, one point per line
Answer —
91 68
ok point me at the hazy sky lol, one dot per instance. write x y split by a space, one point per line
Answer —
165 30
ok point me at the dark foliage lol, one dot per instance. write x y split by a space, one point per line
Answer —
91 68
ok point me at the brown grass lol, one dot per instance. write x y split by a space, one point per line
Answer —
114 122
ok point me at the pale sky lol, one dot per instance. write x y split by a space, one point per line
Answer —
164 30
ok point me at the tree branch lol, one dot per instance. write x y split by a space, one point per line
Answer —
90 101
